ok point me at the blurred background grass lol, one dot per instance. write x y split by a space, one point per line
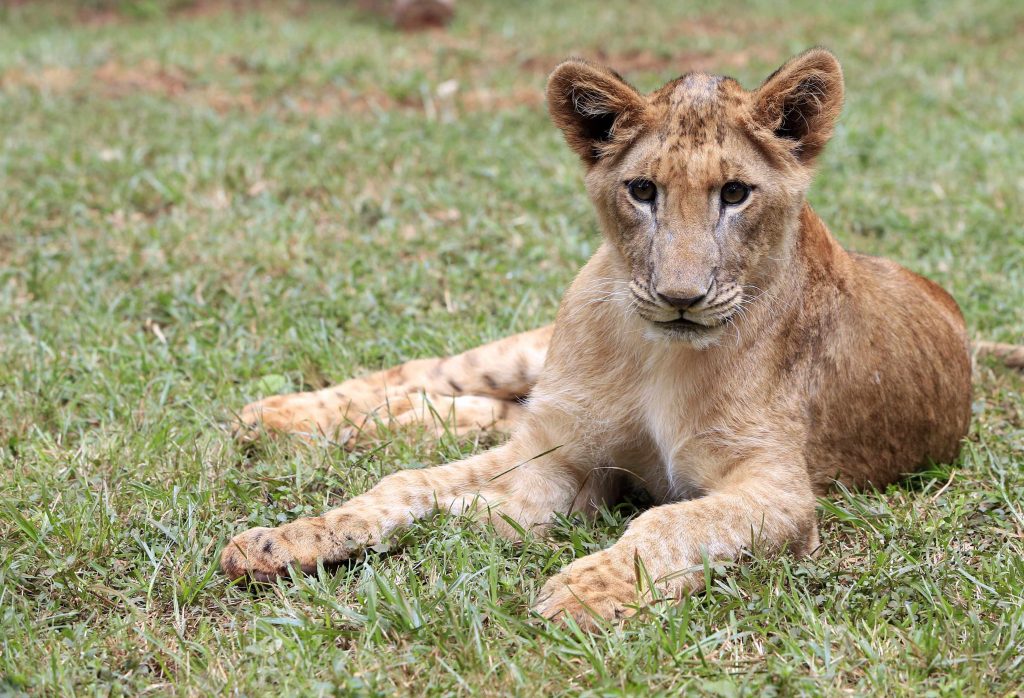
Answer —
202 202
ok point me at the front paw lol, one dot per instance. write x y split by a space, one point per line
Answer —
264 554
596 588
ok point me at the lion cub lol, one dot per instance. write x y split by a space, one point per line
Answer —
720 350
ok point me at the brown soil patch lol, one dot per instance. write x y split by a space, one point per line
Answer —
679 55
116 80
718 26
411 15
48 79
648 61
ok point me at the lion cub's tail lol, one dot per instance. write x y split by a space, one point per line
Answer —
1010 354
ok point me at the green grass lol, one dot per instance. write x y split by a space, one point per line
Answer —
200 207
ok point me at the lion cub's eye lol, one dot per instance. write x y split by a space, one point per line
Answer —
735 193
643 190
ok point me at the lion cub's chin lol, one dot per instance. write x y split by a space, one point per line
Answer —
699 337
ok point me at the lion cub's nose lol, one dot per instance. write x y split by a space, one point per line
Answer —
681 302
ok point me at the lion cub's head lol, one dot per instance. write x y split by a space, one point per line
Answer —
700 184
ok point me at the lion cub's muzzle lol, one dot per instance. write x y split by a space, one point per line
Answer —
703 314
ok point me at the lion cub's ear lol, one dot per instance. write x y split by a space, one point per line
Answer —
799 104
596 109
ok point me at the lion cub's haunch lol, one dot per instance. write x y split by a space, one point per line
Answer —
720 350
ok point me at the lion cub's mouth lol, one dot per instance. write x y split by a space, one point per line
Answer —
691 332
683 324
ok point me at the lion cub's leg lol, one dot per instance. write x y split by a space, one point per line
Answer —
527 486
667 545
504 372
459 414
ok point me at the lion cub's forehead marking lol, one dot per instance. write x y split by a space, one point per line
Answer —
696 89
695 113
695 109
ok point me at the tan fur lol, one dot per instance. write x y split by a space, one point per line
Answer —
479 389
800 364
